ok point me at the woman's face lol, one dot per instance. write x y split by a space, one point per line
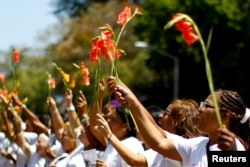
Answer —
107 109
166 121
208 122
41 145
67 141
115 122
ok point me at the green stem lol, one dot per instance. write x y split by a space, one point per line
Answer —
209 74
49 94
14 74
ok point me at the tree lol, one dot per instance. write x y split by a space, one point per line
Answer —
75 45
228 50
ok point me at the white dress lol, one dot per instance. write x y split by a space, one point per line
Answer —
36 160
155 159
74 159
113 159
194 151
4 144
22 159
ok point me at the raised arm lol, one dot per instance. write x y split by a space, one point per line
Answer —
146 126
19 139
82 108
56 118
38 126
71 111
127 155
97 107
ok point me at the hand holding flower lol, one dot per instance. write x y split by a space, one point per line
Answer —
68 97
226 140
16 100
82 106
51 104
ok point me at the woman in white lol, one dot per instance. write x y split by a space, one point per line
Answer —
191 152
67 133
33 155
120 126
180 112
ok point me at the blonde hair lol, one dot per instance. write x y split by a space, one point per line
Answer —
70 130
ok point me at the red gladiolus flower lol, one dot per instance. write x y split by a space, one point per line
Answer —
15 56
124 16
85 74
187 31
52 83
105 45
95 50
2 78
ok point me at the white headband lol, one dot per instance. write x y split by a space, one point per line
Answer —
246 116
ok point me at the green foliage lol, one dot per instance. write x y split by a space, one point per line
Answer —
228 51
148 73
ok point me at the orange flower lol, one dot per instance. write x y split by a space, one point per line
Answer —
4 92
187 30
18 110
95 50
15 56
104 45
72 82
124 16
65 76
85 74
191 33
2 78
51 82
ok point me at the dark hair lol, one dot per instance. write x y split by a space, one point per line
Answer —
231 101
155 111
126 118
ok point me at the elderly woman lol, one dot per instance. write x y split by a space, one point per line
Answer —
34 155
121 127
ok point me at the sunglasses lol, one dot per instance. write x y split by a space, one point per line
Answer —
167 112
204 105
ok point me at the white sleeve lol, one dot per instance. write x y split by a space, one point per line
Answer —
30 137
134 145
151 157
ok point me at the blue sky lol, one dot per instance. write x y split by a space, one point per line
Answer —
21 21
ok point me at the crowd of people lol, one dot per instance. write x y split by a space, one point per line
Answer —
121 132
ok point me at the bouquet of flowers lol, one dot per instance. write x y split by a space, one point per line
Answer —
106 44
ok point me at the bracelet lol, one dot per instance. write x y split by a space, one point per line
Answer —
85 121
23 106
110 137
53 112
71 108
